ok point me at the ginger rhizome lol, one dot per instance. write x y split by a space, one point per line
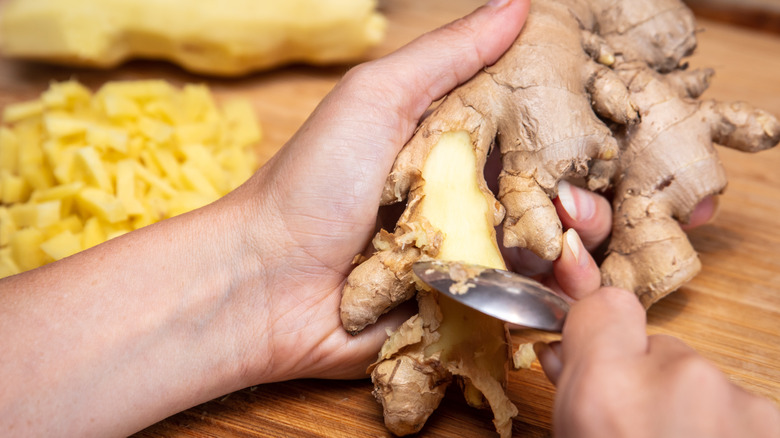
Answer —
668 164
592 92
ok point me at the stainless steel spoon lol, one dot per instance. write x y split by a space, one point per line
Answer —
501 294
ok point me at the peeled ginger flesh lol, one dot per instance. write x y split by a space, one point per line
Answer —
225 37
78 168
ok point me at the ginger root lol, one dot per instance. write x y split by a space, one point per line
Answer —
668 164
225 38
445 339
590 91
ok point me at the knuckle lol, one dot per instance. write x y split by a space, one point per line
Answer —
693 371
373 81
363 73
461 26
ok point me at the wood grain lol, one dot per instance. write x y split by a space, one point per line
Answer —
730 313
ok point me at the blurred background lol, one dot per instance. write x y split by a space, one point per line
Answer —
757 14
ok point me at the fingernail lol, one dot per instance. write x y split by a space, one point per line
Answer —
580 209
715 199
498 3
576 247
567 199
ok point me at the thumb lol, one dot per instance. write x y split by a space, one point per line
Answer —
427 68
601 327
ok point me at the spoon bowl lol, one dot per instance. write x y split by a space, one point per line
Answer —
501 294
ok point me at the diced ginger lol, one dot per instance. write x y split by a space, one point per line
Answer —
118 107
125 187
101 204
203 160
23 215
20 111
7 226
187 201
103 137
92 234
169 165
155 130
154 181
198 103
12 188
196 133
65 95
30 155
139 91
163 110
118 231
62 245
78 169
94 169
64 169
195 180
62 191
25 248
60 124
47 213
8 265
241 120
9 146
71 223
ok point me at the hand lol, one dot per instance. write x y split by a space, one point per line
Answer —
316 201
245 290
615 381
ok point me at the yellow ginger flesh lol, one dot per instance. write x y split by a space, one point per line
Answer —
469 220
448 339
228 37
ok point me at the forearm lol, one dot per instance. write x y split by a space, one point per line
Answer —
115 338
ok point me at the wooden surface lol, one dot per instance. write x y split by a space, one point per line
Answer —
730 313
761 15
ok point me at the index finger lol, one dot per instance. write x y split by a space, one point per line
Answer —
608 324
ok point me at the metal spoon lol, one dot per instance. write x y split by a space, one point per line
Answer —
501 294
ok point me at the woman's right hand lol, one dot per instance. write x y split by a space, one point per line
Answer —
613 380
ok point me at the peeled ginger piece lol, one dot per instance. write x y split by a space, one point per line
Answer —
78 168
227 37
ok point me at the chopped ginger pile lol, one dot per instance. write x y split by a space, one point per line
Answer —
78 168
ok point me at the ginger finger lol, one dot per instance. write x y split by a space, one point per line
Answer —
739 126
533 222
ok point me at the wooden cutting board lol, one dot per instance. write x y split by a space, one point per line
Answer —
730 313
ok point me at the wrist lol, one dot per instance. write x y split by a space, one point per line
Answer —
246 237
